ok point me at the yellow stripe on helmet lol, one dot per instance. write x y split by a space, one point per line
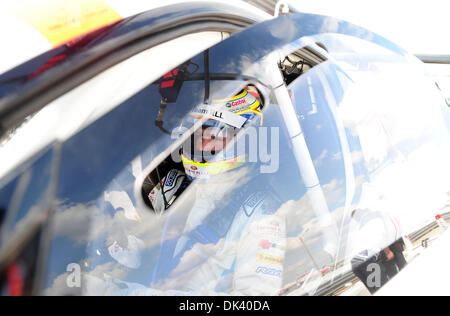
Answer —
261 115
216 167
254 106
232 98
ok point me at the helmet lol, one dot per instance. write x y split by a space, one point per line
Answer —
206 153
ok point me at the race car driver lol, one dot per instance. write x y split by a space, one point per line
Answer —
234 239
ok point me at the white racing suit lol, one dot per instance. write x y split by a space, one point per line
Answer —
236 249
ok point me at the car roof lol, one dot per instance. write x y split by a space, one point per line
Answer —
29 81
39 27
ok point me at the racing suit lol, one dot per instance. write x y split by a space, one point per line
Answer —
236 248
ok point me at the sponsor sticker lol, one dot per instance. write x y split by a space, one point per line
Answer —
252 202
152 195
171 177
268 207
255 199
269 229
260 201
261 257
235 103
201 172
269 271
241 105
60 21
266 244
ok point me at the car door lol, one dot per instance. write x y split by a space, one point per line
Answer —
31 136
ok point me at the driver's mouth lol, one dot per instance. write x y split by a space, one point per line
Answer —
210 144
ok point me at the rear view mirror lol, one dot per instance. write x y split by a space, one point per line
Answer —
438 67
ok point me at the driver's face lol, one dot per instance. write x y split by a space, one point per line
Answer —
212 139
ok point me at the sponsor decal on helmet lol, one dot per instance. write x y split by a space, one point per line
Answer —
197 171
234 103
241 104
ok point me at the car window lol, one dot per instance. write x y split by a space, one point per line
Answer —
19 277
25 204
26 194
396 184
254 213
25 198
75 110
241 170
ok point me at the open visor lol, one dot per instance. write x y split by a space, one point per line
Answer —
217 117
